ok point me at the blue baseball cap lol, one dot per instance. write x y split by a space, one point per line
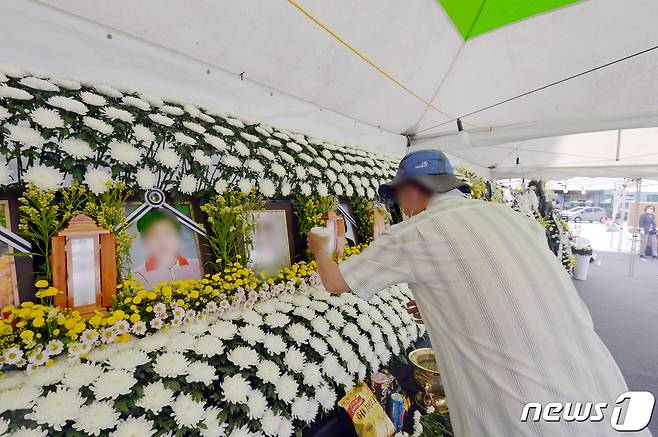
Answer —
430 169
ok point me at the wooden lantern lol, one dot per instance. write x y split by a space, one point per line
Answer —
84 265
379 222
336 224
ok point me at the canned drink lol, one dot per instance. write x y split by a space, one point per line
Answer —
381 387
396 410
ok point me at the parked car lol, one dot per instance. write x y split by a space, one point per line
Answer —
584 214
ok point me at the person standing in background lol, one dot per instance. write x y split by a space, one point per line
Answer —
648 232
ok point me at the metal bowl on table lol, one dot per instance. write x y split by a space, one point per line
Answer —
427 378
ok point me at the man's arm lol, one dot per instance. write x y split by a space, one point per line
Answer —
330 274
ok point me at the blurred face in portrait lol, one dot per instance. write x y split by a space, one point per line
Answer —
163 241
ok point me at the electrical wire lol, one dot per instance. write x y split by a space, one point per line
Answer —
372 63
557 82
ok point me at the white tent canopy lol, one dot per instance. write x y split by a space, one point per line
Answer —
298 75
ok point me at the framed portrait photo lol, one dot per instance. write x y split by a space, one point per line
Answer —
164 249
273 244
8 279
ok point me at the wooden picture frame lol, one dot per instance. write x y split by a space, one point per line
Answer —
9 294
285 215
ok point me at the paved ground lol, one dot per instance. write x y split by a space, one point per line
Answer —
625 314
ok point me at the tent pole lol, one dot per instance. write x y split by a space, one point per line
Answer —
635 229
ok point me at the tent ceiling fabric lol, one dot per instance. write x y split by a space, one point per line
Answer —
474 17
173 42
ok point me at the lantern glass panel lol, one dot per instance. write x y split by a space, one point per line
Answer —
83 281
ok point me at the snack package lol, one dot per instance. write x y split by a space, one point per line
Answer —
368 416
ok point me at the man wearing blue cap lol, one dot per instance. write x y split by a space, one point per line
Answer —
505 321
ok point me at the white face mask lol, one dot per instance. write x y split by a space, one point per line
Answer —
650 210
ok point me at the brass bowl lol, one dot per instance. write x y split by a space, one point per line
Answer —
426 371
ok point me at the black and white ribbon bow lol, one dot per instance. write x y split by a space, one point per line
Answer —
156 199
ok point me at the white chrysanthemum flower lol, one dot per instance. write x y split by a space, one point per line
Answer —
312 375
331 175
146 179
134 427
168 158
192 110
286 388
68 104
322 162
274 143
370 193
243 357
47 118
201 372
38 84
171 110
184 139
25 135
223 329
278 169
261 130
214 141
162 119
171 365
200 157
274 344
277 320
300 172
57 408
113 383
21 398
213 428
14 93
180 342
305 189
326 397
76 148
208 346
118 114
268 371
245 186
96 417
30 432
314 172
294 359
128 359
338 189
221 186
194 127
92 99
270 423
349 190
152 100
294 146
3 78
155 397
252 334
249 137
12 70
81 375
235 123
241 149
188 412
235 389
44 177
286 157
285 188
231 161
299 333
304 409
304 312
98 125
224 131
257 404
136 102
187 184
266 154
97 180
124 153
267 188
107 91
322 189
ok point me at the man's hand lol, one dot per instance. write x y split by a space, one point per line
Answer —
412 309
317 244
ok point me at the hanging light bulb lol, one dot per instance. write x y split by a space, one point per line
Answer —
464 138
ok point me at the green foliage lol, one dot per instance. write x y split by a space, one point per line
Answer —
309 211
108 213
43 215
436 425
231 226
363 214
478 184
